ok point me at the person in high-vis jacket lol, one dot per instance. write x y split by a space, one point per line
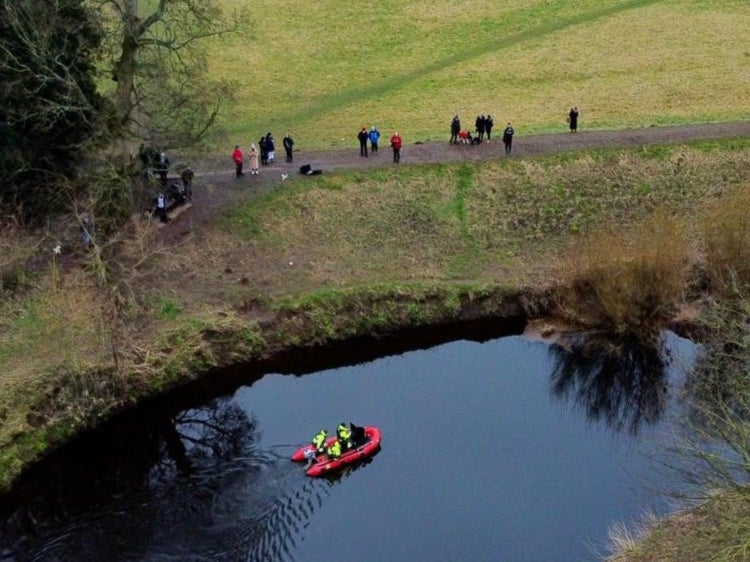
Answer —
334 450
319 441
344 435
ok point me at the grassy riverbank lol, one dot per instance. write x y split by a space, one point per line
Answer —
344 255
717 529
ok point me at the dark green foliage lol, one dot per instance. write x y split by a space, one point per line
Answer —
49 107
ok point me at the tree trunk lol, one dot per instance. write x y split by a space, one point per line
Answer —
126 67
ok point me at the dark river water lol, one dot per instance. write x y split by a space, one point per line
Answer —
509 450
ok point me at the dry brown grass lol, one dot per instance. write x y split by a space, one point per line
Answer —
627 282
57 325
16 249
726 231
716 530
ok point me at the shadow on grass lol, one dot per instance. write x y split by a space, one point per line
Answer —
347 97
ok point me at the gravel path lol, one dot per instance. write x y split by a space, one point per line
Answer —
434 152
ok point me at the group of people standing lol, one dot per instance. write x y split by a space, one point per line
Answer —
483 125
264 153
373 137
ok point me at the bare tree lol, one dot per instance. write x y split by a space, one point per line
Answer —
159 66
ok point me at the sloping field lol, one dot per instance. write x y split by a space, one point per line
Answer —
321 71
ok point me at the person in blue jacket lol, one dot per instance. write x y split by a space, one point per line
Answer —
374 136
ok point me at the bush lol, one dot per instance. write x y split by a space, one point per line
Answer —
626 283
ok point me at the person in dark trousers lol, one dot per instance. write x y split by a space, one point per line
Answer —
396 146
455 129
374 138
238 157
263 150
480 124
270 149
162 165
488 124
288 143
161 207
187 183
508 138
363 138
573 119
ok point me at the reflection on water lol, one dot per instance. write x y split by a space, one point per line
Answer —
192 487
620 382
207 484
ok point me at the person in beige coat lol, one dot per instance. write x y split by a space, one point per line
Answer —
253 160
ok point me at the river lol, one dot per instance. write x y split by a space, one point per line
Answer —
509 449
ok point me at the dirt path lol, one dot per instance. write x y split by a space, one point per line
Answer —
218 170
433 152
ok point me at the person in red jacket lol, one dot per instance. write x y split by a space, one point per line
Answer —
396 146
238 157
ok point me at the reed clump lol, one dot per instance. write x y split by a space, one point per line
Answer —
726 234
626 282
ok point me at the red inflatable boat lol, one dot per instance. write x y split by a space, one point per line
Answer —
366 443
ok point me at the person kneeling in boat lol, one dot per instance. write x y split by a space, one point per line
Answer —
319 441
344 435
334 450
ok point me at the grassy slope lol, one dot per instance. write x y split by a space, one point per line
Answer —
323 72
465 221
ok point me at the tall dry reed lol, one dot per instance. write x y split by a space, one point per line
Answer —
626 282
726 234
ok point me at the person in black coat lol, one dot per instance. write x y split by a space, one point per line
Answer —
508 138
288 143
480 125
187 183
270 149
263 151
455 129
488 124
363 137
573 119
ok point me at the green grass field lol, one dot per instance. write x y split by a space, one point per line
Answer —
321 72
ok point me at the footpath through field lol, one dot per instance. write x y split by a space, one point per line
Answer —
441 152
